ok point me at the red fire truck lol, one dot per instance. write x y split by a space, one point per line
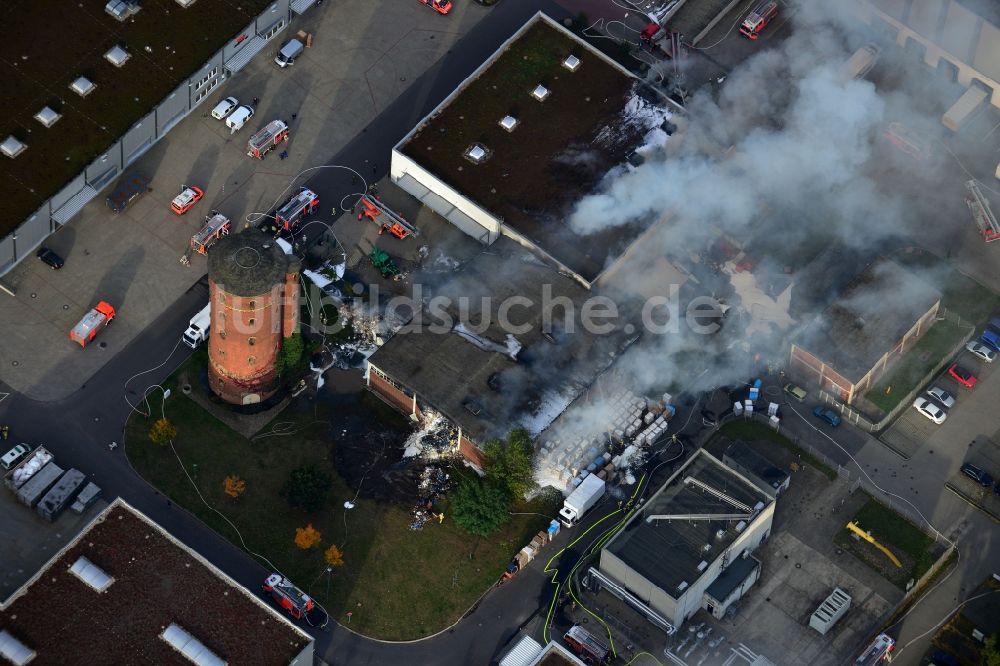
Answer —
292 213
296 602
261 143
591 649
92 323
440 6
879 651
757 20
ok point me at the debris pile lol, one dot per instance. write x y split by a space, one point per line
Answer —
434 483
434 438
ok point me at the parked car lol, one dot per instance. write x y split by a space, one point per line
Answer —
239 117
982 351
977 474
50 258
188 197
225 107
931 410
827 415
991 339
942 397
14 456
795 392
962 375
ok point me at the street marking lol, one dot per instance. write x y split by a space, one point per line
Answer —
3 396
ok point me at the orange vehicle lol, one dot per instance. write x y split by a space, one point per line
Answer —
388 220
440 6
92 323
757 20
188 197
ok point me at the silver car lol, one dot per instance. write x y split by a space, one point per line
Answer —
224 108
947 400
982 351
931 410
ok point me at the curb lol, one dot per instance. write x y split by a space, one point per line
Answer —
969 500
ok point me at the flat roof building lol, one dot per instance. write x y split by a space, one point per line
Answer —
126 592
745 459
526 136
877 317
691 545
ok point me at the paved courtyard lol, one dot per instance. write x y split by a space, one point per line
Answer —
335 89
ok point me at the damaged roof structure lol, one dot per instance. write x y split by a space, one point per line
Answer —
457 357
125 591
528 134
877 317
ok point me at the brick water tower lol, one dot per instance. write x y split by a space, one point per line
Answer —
253 287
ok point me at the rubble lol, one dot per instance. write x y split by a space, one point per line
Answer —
432 439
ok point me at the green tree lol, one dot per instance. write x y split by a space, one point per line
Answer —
990 655
479 507
291 353
307 488
508 464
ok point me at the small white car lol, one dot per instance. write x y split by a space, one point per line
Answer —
225 107
14 456
239 117
942 396
930 410
982 351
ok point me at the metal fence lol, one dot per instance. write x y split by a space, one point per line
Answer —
191 93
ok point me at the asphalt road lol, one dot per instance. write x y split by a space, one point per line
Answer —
78 429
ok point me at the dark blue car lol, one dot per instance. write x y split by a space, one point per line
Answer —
827 415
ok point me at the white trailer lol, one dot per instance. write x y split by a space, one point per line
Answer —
581 500
966 106
197 330
860 63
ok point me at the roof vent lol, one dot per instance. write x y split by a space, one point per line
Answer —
682 586
11 147
14 650
117 56
541 93
740 526
190 647
509 123
477 153
47 116
185 3
720 534
572 63
707 547
702 565
82 86
91 574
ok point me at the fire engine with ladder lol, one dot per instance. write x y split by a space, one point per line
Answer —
296 603
981 212
757 20
388 220
273 134
216 226
879 651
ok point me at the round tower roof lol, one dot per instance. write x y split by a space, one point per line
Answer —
249 263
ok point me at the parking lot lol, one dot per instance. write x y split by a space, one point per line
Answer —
913 431
131 260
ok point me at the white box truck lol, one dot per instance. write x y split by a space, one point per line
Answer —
581 500
967 105
197 330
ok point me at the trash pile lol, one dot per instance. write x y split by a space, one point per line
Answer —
434 482
432 439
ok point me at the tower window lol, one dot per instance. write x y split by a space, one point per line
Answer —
252 341
252 360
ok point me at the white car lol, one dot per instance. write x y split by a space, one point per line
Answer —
930 410
942 396
239 117
225 107
982 351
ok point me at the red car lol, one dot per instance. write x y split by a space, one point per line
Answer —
188 197
962 376
440 6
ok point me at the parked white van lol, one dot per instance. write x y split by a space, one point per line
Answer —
239 117
288 53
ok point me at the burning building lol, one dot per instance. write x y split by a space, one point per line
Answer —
253 290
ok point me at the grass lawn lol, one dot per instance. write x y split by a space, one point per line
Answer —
752 430
910 544
910 368
959 293
398 583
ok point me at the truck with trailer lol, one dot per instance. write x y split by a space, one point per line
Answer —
271 135
860 63
529 552
92 323
61 494
586 495
20 474
34 489
197 330
592 650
